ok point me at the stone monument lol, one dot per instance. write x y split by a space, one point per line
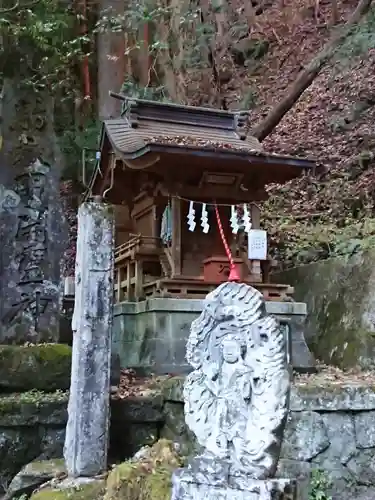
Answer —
32 230
87 431
236 400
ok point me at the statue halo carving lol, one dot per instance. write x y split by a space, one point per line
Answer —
237 396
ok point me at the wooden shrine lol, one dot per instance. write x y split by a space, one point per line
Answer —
168 168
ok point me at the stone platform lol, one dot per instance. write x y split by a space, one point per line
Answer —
191 485
152 334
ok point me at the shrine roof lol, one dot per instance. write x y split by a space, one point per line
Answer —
157 137
145 126
146 123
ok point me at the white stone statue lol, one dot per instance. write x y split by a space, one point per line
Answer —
237 397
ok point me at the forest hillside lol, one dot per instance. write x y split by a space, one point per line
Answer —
304 68
333 121
255 56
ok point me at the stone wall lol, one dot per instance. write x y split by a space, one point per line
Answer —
32 427
340 298
152 334
331 426
34 380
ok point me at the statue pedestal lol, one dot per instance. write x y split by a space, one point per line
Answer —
193 485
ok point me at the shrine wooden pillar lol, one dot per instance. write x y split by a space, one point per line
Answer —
176 236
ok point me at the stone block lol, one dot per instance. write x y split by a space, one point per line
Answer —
152 334
333 460
17 449
30 409
187 485
170 352
52 443
33 475
300 471
341 434
332 398
176 430
32 425
359 493
134 354
172 389
138 409
341 306
43 367
82 488
155 356
362 467
175 418
305 436
364 423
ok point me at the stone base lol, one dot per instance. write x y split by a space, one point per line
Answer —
188 485
152 335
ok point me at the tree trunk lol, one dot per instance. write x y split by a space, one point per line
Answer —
111 63
335 13
308 75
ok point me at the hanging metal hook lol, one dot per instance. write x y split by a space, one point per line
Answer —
113 166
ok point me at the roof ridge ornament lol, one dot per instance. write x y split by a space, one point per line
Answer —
241 121
131 111
135 110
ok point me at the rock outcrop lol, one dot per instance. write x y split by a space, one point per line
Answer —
44 367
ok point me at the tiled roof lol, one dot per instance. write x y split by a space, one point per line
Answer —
159 128
145 123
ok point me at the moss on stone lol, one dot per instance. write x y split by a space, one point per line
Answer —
148 479
45 367
340 299
54 467
172 387
34 474
33 408
90 491
13 401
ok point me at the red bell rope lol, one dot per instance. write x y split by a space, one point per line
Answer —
233 274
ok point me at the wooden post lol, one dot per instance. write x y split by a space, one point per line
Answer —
155 228
128 295
256 272
176 236
138 279
86 441
119 279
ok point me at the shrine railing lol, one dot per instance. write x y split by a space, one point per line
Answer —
136 261
137 243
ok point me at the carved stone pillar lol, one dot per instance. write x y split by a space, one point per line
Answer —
86 439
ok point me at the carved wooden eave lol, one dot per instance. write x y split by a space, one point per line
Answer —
169 139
